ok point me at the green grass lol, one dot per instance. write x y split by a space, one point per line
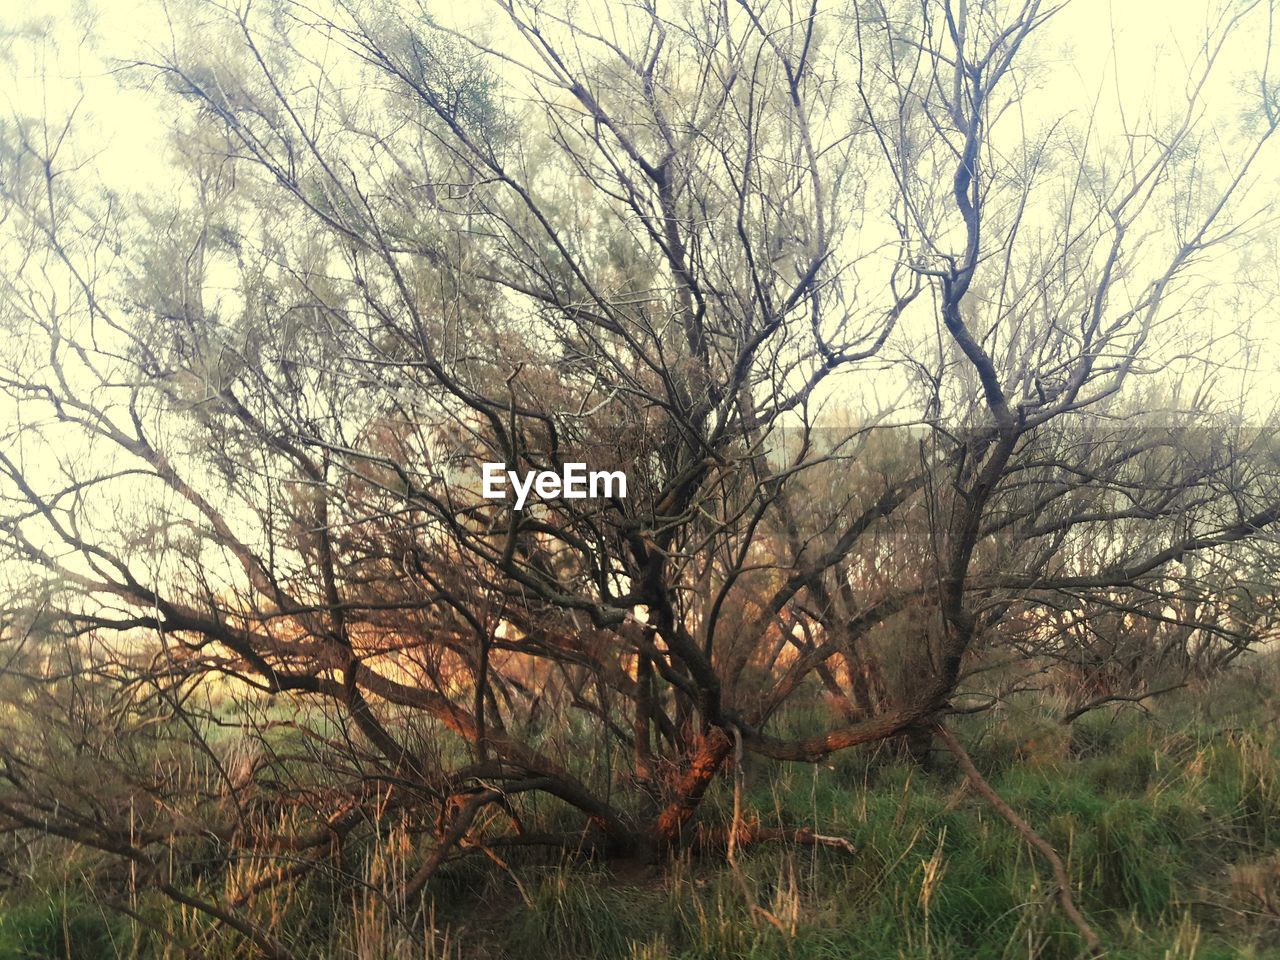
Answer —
1158 822
63 927
1170 826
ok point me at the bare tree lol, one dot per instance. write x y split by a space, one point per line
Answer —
699 248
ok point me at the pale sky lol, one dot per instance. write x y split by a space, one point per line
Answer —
1107 52
1101 51
1152 42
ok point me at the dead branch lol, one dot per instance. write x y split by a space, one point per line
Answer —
1060 875
1080 711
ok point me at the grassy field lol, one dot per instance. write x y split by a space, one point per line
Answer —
1169 823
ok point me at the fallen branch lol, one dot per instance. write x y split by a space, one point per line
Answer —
463 817
455 832
714 839
1034 839
1137 698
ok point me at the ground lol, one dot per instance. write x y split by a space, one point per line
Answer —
1169 822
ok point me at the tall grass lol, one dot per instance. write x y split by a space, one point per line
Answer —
1170 826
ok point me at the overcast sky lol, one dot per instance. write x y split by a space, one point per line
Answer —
1137 49
1120 55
